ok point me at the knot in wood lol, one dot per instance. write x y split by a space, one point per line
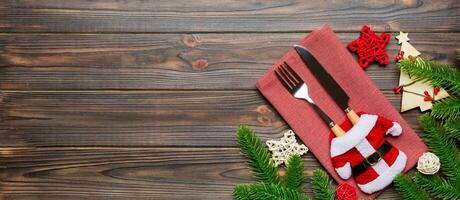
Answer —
191 40
199 65
266 116
264 120
263 109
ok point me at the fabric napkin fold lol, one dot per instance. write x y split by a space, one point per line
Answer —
364 97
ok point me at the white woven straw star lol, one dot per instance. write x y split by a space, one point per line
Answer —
283 148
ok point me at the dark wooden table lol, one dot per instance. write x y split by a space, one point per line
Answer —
117 99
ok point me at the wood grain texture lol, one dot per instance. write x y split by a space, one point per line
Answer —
171 61
226 16
140 118
117 99
128 173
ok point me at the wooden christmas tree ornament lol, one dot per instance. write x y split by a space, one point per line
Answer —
414 93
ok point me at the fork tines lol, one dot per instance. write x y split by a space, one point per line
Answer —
287 76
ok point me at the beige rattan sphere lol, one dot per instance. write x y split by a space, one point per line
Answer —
428 164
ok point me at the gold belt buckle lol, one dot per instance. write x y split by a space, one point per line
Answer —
374 163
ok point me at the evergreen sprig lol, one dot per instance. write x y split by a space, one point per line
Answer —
453 129
321 185
448 108
294 173
442 128
458 55
435 73
269 185
258 156
260 191
443 146
242 192
437 186
410 191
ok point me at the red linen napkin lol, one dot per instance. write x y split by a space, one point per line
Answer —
364 97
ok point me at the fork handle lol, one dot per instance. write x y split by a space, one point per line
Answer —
336 129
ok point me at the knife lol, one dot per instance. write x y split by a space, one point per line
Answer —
329 84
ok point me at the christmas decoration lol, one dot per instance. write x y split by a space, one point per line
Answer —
405 186
364 153
345 191
448 108
270 184
432 73
414 93
428 164
321 185
400 56
442 129
370 47
283 148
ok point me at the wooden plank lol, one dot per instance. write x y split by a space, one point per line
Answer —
171 61
140 118
226 15
129 173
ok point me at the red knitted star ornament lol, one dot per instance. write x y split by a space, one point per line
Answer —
370 47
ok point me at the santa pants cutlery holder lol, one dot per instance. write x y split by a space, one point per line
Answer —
364 153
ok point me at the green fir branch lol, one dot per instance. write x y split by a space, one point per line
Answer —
258 156
439 135
443 146
448 108
241 192
452 129
437 186
259 191
294 173
270 187
458 55
321 185
435 73
408 189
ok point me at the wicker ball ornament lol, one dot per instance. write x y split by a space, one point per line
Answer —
345 191
428 164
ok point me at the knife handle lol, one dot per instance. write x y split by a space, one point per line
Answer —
337 130
352 116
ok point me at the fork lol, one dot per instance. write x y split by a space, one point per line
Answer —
299 89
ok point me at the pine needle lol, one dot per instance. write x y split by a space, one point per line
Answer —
435 73
448 108
408 190
260 191
443 146
258 156
321 185
452 129
438 187
294 173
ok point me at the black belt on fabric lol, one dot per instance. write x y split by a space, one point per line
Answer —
372 159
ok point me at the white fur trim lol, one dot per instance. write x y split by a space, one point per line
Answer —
381 167
395 130
344 172
365 148
387 177
354 136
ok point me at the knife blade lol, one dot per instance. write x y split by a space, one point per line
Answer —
327 81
